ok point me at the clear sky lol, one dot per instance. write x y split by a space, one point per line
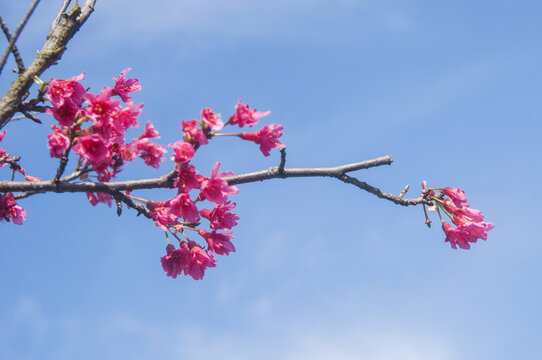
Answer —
322 270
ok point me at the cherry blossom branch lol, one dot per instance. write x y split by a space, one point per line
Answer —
17 33
14 50
60 34
166 181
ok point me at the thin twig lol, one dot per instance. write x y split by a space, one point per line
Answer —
62 10
17 33
14 50
403 192
53 48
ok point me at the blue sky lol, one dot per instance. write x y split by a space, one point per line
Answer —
322 270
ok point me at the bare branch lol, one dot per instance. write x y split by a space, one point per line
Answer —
17 33
166 181
63 8
14 50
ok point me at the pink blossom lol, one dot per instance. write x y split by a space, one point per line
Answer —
457 195
9 209
69 89
57 143
186 178
150 131
218 243
92 148
216 189
64 113
127 117
2 134
183 152
266 137
175 261
182 206
102 106
211 119
220 217
244 116
151 153
161 214
457 236
192 134
199 261
123 87
100 198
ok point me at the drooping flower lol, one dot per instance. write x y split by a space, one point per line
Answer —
161 214
220 217
457 236
218 243
244 116
457 195
183 152
99 198
9 209
469 222
175 261
192 134
266 137
216 189
199 261
57 142
186 178
125 86
212 120
182 206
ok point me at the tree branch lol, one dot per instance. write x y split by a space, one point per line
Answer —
55 45
166 181
17 33
14 50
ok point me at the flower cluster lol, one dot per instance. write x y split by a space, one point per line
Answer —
180 213
470 225
94 126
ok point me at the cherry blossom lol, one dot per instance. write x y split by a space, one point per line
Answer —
57 142
175 261
214 188
220 217
192 134
183 152
266 137
244 116
9 209
211 120
218 243
125 86
186 178
60 91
